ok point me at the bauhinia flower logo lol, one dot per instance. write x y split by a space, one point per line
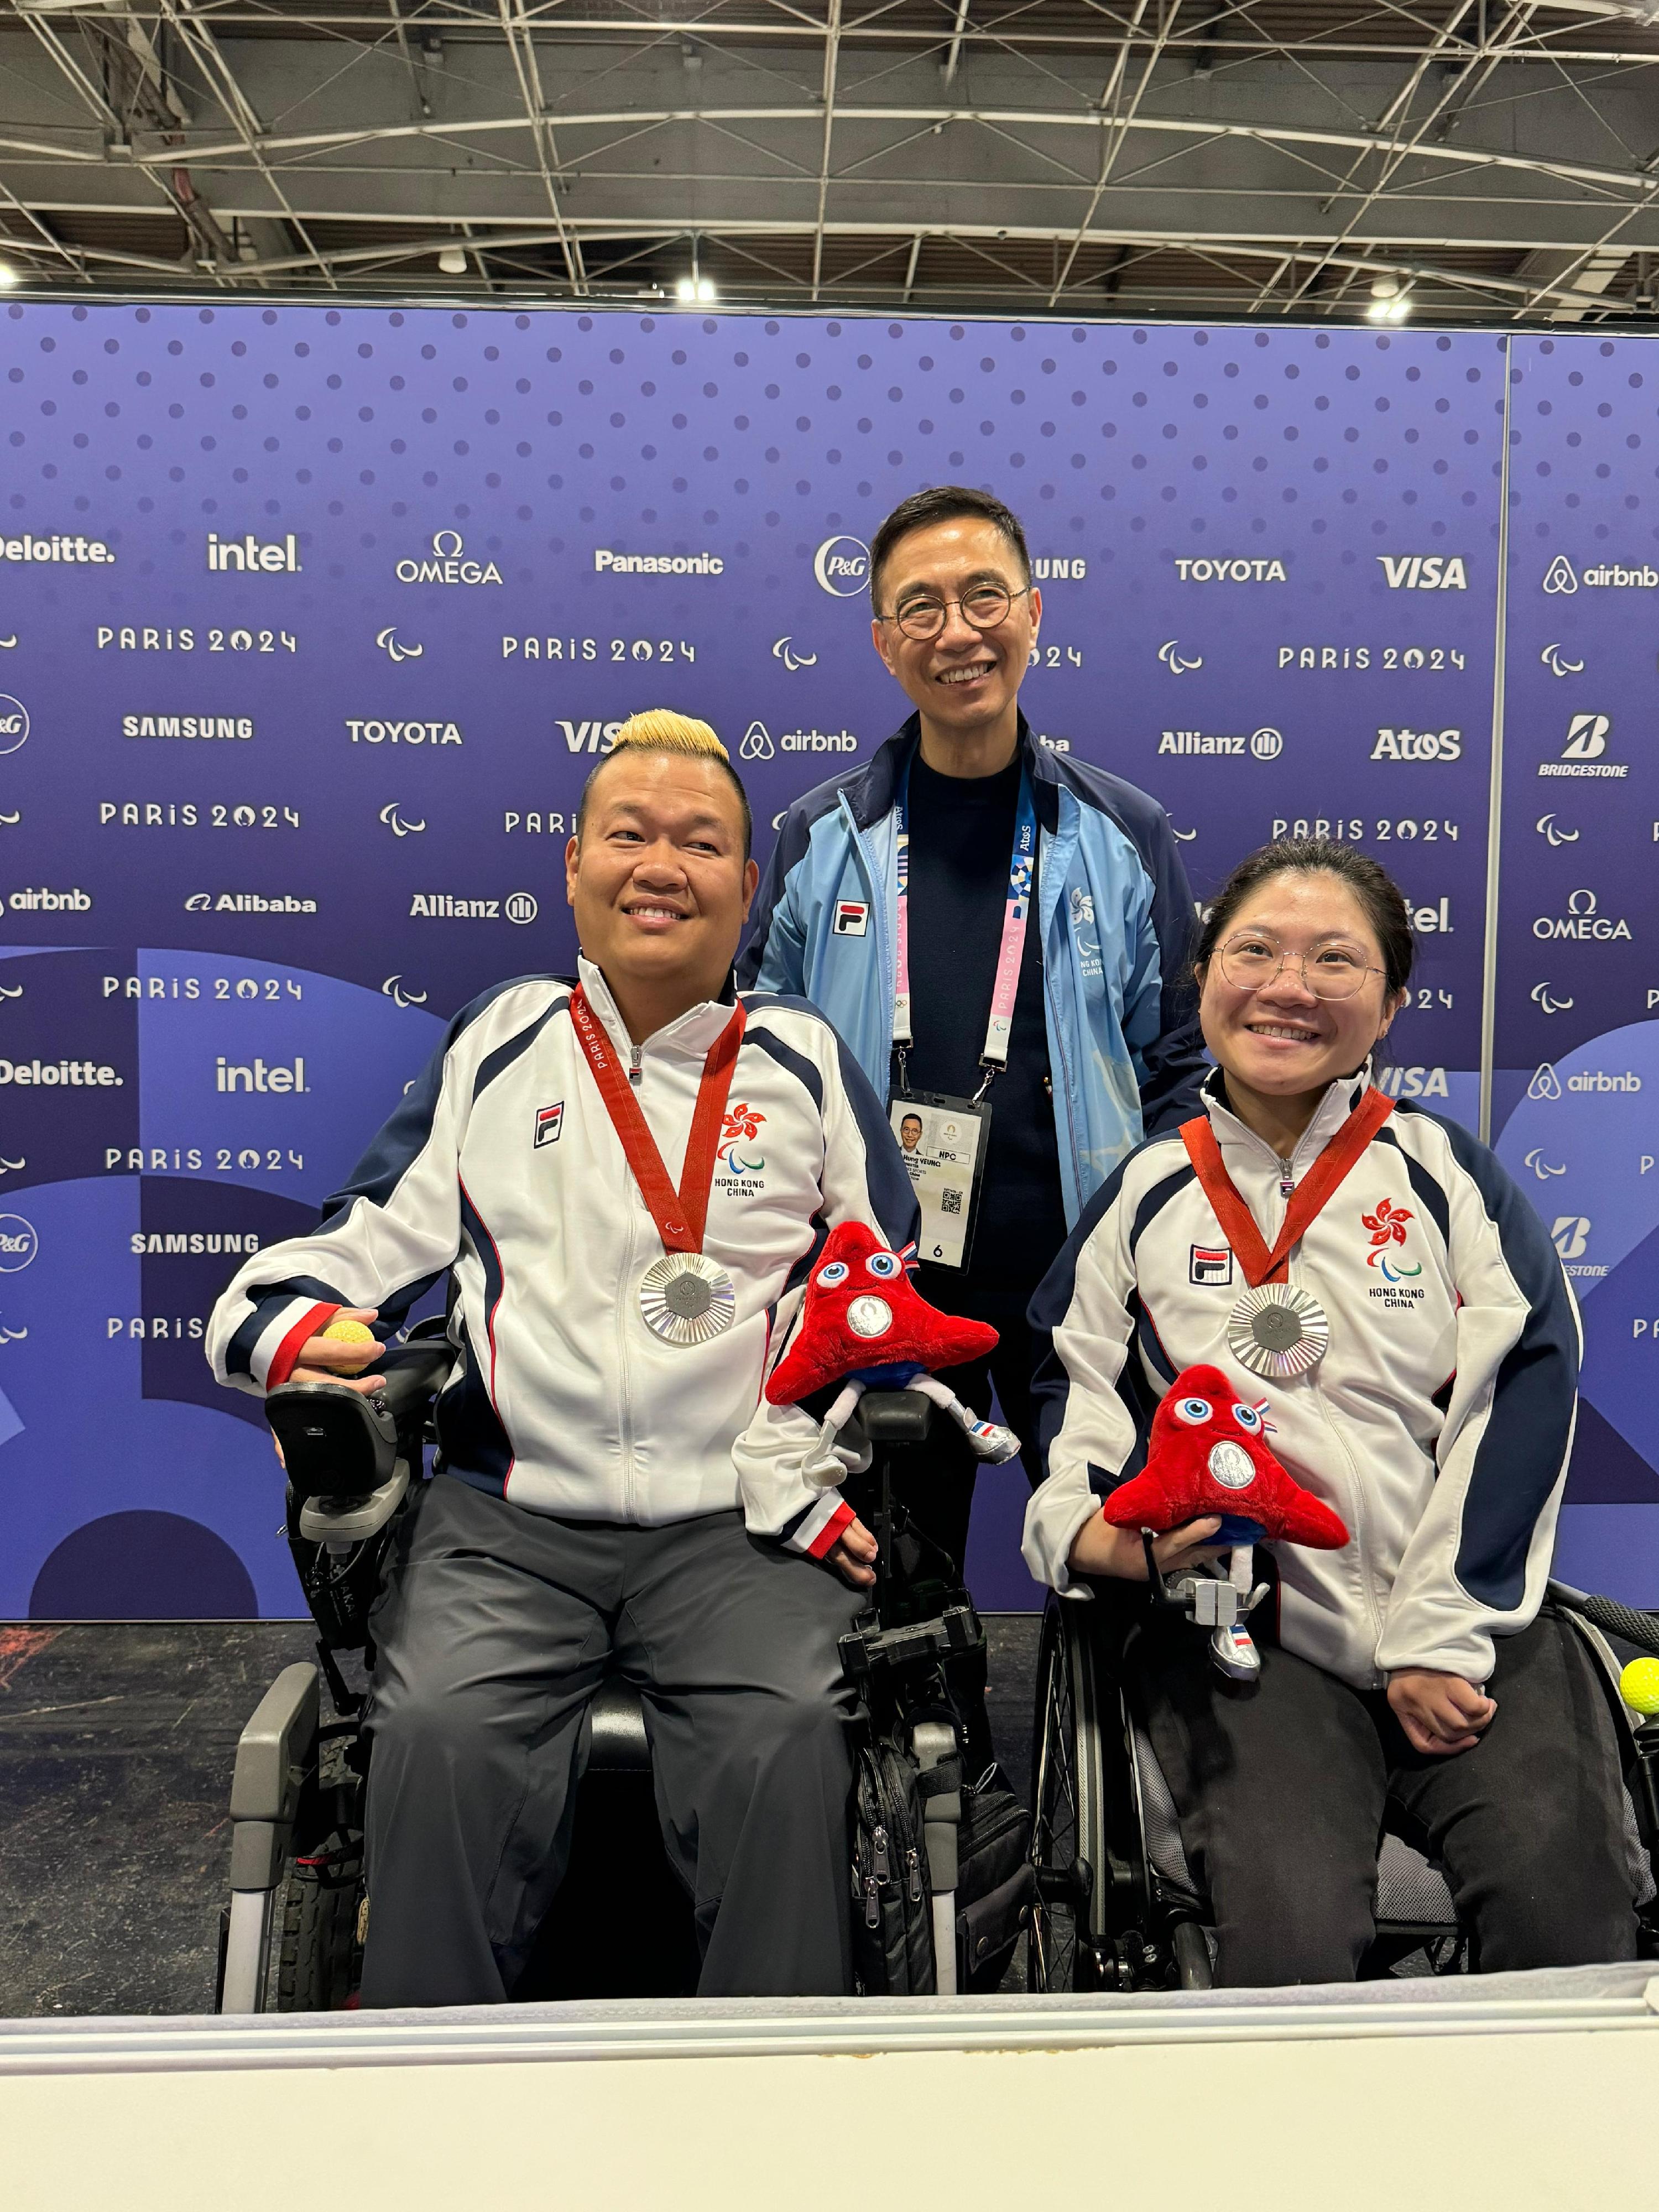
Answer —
1387 1228
742 1126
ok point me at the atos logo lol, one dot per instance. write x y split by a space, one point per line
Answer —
14 723
842 566
18 1243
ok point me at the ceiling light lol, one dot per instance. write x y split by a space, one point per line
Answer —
8 275
694 288
453 261
1390 303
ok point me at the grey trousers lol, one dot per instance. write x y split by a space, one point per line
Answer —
494 1631
1284 1790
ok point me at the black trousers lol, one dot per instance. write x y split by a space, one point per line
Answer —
1284 1790
495 1629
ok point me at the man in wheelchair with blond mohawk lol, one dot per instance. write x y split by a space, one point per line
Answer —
610 1333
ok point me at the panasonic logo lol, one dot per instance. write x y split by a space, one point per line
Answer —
657 564
1424 572
187 725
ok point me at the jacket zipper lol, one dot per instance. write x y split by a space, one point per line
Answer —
624 1420
1056 1031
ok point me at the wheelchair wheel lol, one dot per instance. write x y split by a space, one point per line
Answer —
1061 1951
319 1959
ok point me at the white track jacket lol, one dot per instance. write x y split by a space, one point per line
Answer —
1438 1424
501 1170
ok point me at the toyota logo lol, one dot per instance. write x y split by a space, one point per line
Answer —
842 566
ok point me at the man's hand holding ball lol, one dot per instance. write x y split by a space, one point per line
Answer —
340 1352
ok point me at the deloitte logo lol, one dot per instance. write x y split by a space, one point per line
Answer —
18 1243
14 723
444 566
842 566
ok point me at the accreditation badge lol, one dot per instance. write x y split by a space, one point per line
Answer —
943 1141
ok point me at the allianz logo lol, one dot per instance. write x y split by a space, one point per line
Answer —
181 1243
607 563
1403 745
253 555
1559 577
445 906
365 732
1230 570
45 901
447 564
1424 572
1581 921
1547 1084
1261 744
247 903
257 1076
1413 1082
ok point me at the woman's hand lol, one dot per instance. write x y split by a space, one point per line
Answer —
853 1555
1101 1549
1440 1713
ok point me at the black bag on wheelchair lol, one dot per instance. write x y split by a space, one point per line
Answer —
892 1930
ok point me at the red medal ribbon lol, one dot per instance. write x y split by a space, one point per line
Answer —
680 1215
1308 1201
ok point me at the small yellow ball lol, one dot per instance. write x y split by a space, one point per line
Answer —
1639 1685
352 1332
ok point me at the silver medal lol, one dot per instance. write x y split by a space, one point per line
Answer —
684 1298
1276 1331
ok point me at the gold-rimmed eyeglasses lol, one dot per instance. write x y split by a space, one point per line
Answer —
1252 960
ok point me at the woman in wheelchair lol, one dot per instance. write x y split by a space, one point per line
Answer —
1417 1349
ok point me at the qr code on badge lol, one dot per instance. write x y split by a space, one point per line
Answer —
949 1201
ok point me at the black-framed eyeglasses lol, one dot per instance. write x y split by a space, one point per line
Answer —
1252 960
984 605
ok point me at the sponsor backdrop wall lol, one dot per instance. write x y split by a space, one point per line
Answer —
311 622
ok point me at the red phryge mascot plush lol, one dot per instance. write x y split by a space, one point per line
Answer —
866 1326
1208 1454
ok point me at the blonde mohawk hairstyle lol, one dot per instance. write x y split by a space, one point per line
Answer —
660 730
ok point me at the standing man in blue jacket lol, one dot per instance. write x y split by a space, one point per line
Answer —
1001 934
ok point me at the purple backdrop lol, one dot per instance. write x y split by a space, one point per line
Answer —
314 620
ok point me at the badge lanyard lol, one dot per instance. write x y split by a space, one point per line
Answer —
684 1298
1274 1330
1022 871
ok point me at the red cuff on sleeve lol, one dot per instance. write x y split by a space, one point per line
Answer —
287 1351
824 1541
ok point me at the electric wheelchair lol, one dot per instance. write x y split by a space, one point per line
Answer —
1117 1906
621 1924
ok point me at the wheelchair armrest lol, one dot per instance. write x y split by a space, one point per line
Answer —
895 1417
336 1442
412 1373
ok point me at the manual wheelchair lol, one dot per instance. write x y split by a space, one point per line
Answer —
620 1925
1117 1906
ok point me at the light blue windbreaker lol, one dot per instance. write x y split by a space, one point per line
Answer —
1116 918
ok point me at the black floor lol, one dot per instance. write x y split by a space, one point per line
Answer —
116 1742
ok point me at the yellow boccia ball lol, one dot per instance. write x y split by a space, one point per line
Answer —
352 1332
1639 1685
